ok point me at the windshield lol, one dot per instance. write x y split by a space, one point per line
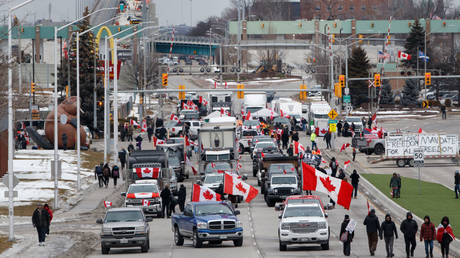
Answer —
211 157
325 116
263 145
210 209
250 133
214 179
251 122
353 119
304 211
173 161
287 180
281 120
140 188
172 123
253 109
262 139
281 167
122 216
176 140
303 201
210 168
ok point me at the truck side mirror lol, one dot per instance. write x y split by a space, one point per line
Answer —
245 177
148 219
99 221
237 212
280 216
123 194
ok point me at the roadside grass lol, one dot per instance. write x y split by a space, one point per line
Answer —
435 200
4 243
26 210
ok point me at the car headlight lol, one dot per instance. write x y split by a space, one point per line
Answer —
140 228
322 225
202 225
275 190
238 224
106 231
285 226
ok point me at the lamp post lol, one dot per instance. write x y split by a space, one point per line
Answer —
56 139
10 123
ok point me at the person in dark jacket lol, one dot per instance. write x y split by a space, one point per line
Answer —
457 183
181 197
295 136
139 142
106 173
122 158
428 235
166 201
333 166
50 213
349 238
354 182
150 133
341 174
394 185
327 138
339 128
99 174
373 230
409 228
115 174
389 233
285 138
346 127
445 235
41 221
290 150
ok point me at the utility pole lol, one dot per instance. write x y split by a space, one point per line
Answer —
239 41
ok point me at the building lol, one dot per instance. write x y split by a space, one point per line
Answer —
354 9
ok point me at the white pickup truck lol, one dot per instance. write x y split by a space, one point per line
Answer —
304 223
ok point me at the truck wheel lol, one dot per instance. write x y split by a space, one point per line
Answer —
400 163
410 162
238 242
178 238
197 242
325 246
379 149
283 247
145 248
187 176
105 250
270 203
369 151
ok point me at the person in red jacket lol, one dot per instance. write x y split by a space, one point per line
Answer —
445 235
50 212
428 234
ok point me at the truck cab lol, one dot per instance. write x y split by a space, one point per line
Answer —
220 100
211 222
150 164
318 117
145 194
280 187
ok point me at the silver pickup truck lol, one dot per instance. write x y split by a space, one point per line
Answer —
124 227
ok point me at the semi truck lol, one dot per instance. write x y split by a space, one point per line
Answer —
318 117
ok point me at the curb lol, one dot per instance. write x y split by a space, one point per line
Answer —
384 203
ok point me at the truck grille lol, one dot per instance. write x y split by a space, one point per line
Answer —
221 224
125 231
284 191
303 227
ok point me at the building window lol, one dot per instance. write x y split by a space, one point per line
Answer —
352 7
363 7
340 7
318 8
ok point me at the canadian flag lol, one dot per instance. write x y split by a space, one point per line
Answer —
403 56
215 85
187 141
194 171
107 204
281 113
173 117
235 186
271 114
298 148
420 130
189 163
148 172
144 126
145 202
226 87
203 193
344 146
248 115
346 164
133 123
157 141
338 190
222 112
374 116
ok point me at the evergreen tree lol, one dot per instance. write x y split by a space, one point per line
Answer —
415 41
87 57
386 96
410 92
358 67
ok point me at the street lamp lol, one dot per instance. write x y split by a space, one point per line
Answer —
10 124
56 155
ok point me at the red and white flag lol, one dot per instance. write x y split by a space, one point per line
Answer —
298 148
248 115
147 172
187 141
145 202
107 204
142 195
144 126
133 123
420 130
281 113
203 193
173 117
235 186
346 164
226 87
222 112
344 146
338 190
194 170
404 56
157 141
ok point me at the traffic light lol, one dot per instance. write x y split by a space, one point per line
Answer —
342 80
427 78
333 38
100 103
338 90
67 91
377 82
164 79
360 36
388 40
110 116
240 94
303 92
181 93
32 87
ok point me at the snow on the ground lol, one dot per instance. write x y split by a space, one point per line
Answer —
33 169
55 244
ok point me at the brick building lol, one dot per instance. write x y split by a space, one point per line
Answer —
353 9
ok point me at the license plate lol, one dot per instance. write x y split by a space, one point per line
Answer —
123 241
304 239
223 237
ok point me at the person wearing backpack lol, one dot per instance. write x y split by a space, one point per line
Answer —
106 172
98 173
115 174
346 235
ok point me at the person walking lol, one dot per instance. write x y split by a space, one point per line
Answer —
443 112
339 128
313 140
115 174
409 228
394 185
295 136
139 142
130 133
346 127
428 234
285 138
457 183
373 230
50 214
122 158
327 138
333 165
445 235
346 234
354 153
99 174
181 197
150 133
389 233
106 173
166 201
354 182
341 174
41 220
398 192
